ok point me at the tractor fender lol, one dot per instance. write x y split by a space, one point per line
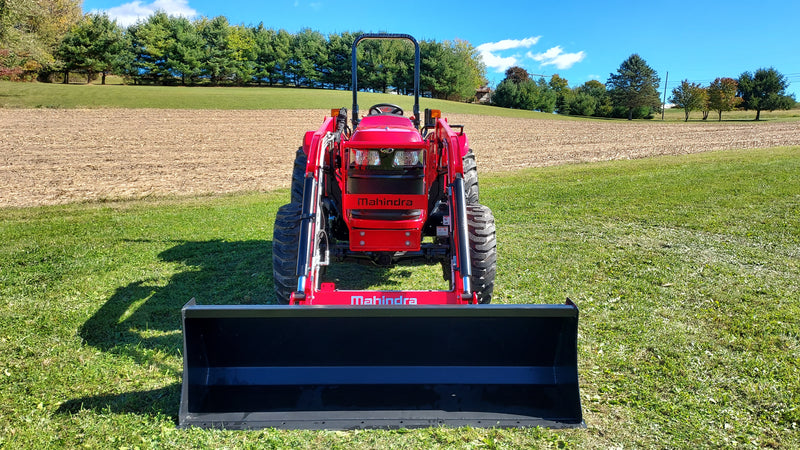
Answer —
463 144
307 141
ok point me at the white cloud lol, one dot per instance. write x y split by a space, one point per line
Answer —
489 52
128 13
556 57
508 44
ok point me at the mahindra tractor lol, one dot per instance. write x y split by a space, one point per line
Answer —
386 188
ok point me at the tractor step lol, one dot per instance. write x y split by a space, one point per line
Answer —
331 367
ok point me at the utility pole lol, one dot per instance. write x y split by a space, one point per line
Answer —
664 103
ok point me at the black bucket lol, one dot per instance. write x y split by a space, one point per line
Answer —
325 367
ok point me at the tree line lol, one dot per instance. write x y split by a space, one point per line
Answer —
164 49
51 39
632 92
763 90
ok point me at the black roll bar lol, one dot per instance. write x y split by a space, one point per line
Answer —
354 69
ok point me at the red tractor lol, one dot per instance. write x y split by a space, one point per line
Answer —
384 189
389 190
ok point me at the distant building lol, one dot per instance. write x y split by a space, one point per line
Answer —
483 94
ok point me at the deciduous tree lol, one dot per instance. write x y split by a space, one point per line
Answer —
517 74
242 43
689 97
764 91
722 95
563 93
30 32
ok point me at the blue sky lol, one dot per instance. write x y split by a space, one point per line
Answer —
697 41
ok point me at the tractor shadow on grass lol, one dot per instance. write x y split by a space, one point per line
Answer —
141 322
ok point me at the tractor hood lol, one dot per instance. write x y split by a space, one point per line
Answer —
385 131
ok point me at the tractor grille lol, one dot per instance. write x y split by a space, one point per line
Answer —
399 182
409 181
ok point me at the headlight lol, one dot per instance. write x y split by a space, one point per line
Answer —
365 157
406 158
386 158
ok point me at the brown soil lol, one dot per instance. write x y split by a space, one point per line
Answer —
62 156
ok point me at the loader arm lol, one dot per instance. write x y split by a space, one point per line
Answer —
453 148
309 258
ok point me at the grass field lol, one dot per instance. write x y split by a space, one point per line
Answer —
46 95
686 270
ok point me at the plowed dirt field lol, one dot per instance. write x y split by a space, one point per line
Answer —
62 156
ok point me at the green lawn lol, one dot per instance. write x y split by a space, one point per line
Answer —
46 95
686 271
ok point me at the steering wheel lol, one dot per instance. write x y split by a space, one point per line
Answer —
385 108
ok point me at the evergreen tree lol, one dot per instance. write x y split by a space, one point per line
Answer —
581 104
90 47
337 73
73 51
545 98
451 70
507 94
598 92
218 62
264 57
151 40
377 64
272 55
184 51
307 52
432 72
635 85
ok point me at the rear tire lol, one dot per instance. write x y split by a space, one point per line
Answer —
483 251
298 175
471 192
285 243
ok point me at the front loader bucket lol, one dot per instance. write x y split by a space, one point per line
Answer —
330 367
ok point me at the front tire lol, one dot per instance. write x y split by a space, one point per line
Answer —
285 244
483 251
